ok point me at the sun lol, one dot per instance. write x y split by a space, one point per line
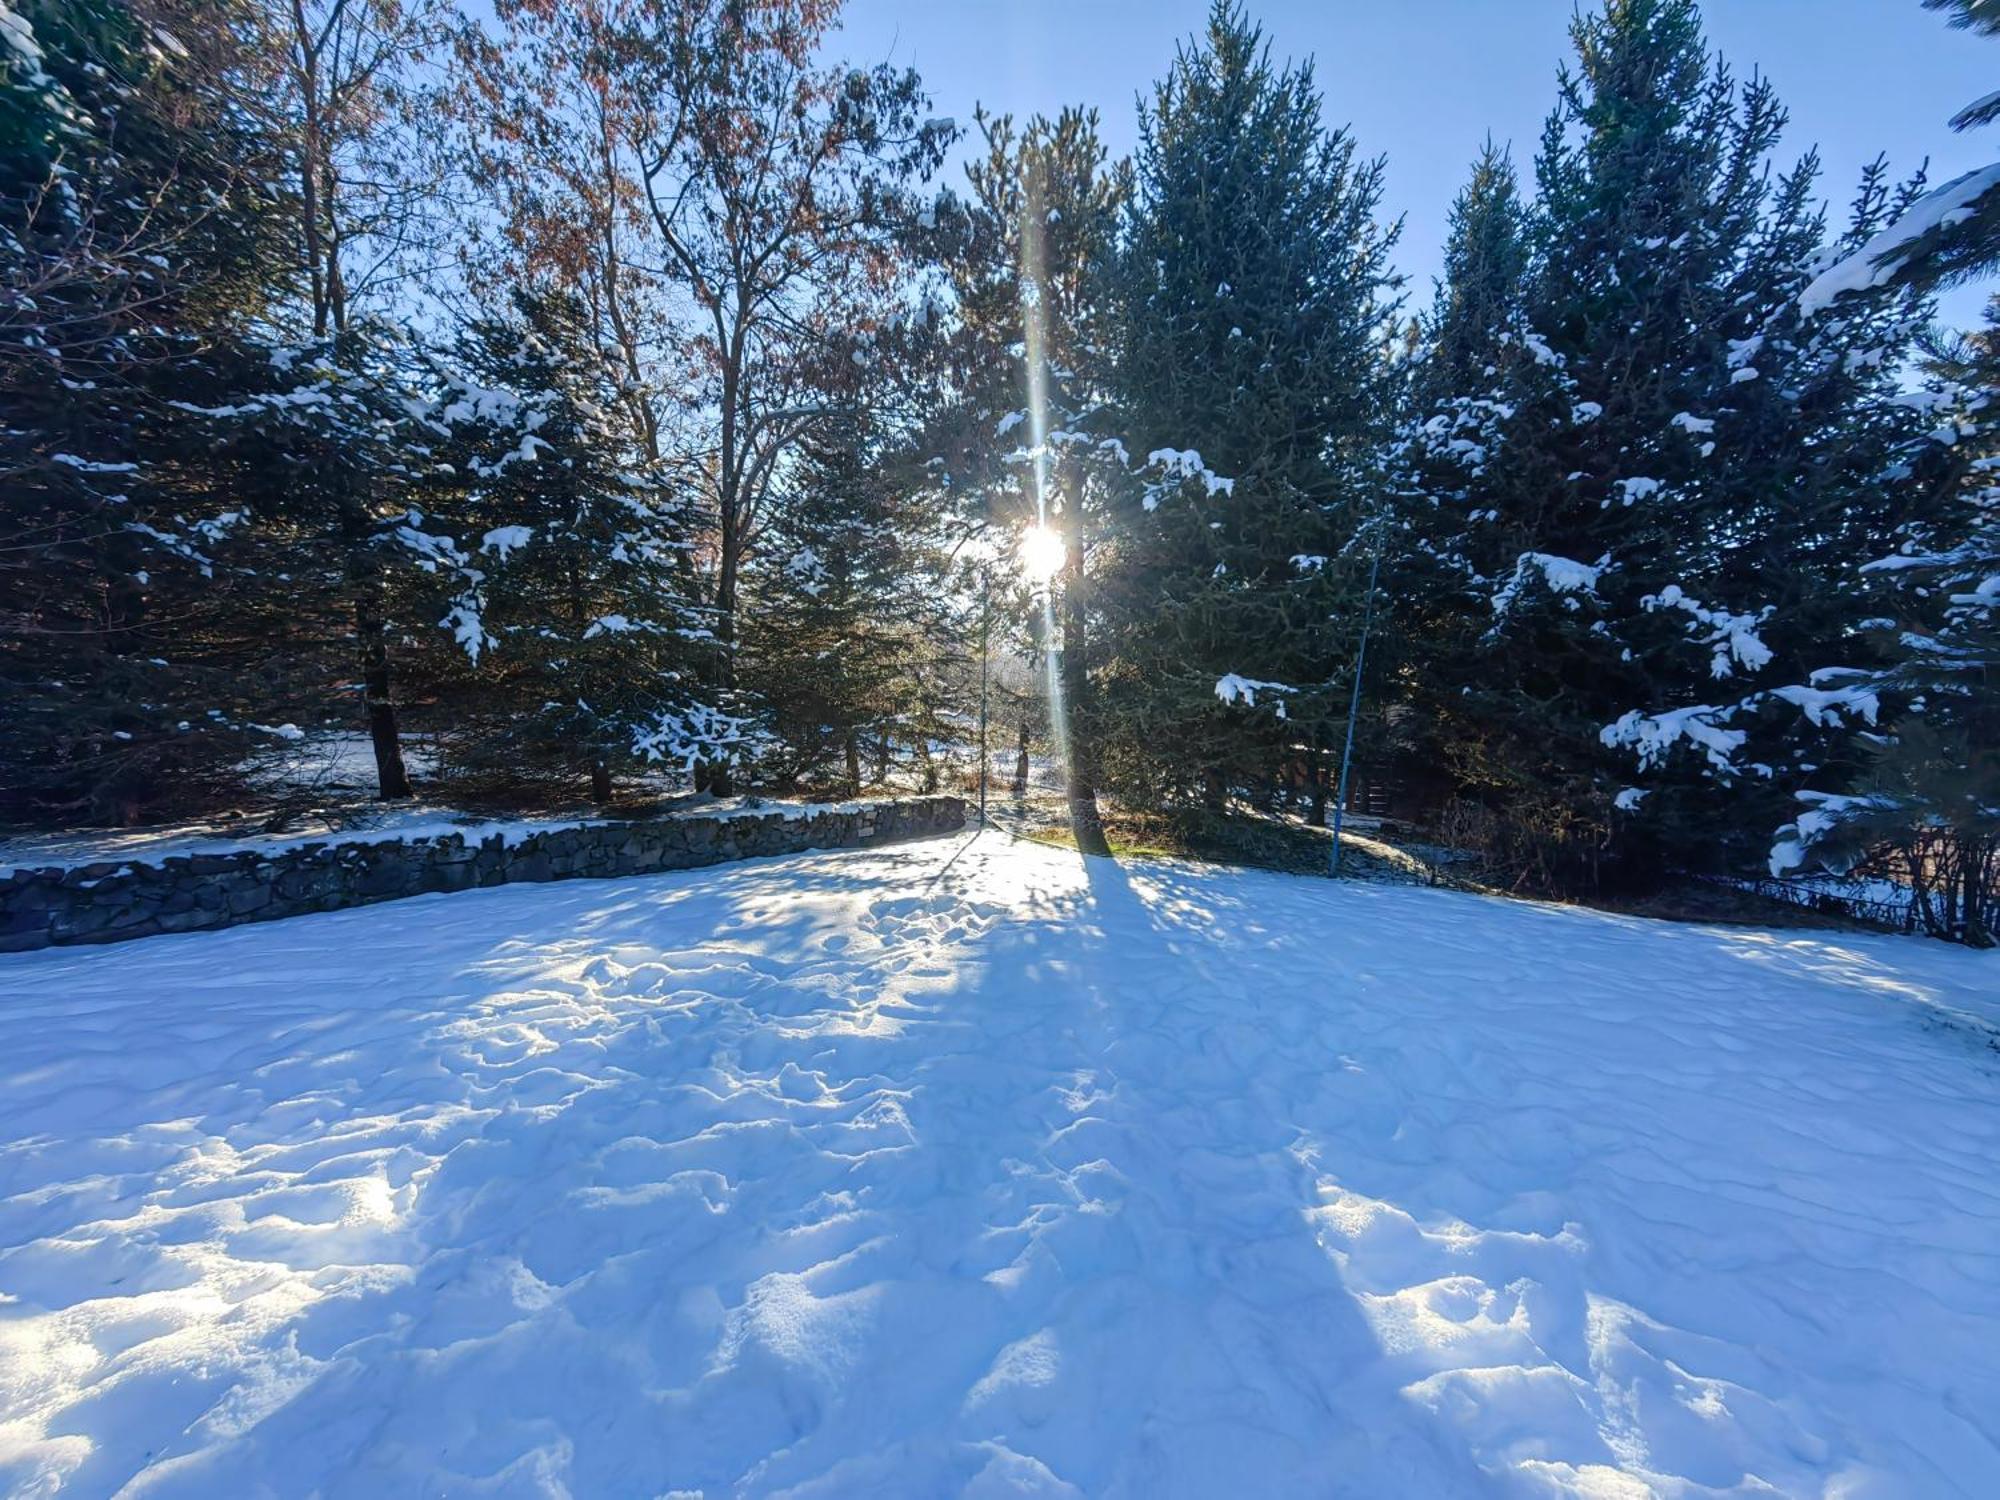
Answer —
1042 553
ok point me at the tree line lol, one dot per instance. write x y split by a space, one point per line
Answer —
612 387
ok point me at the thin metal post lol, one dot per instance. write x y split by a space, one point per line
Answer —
1353 712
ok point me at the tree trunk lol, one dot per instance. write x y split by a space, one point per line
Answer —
853 764
1085 822
1021 761
372 636
1980 860
1317 817
714 775
600 783
726 574
309 164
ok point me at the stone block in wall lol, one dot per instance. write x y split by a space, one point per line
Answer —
248 894
190 919
387 873
457 876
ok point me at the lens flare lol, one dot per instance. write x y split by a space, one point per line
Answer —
1041 553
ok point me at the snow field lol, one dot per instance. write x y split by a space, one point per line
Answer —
957 1168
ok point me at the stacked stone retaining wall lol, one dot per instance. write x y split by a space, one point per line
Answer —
118 899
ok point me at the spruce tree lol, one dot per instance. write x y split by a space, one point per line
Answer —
1475 374
1660 488
1254 291
1025 449
1479 295
325 444
1925 808
847 606
581 654
138 244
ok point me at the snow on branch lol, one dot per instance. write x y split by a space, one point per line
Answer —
1176 466
1164 471
1231 688
1561 575
466 625
504 539
1876 262
695 732
1798 841
1653 736
17 38
1825 706
1733 636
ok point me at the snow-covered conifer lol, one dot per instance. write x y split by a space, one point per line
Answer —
137 240
1648 500
580 649
1254 294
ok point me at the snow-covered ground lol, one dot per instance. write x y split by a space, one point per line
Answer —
955 1170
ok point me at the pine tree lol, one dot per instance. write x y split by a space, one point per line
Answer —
581 654
1255 293
1928 796
1660 489
138 241
846 605
1030 257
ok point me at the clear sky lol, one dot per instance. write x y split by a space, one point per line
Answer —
1423 81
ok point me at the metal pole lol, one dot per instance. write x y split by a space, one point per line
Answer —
1353 710
985 623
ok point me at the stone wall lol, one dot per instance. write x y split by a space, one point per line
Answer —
105 903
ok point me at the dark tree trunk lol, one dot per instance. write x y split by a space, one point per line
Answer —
714 775
1085 822
392 778
853 764
372 636
600 783
1021 761
1318 815
725 613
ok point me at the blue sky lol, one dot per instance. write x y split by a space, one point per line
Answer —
1423 81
